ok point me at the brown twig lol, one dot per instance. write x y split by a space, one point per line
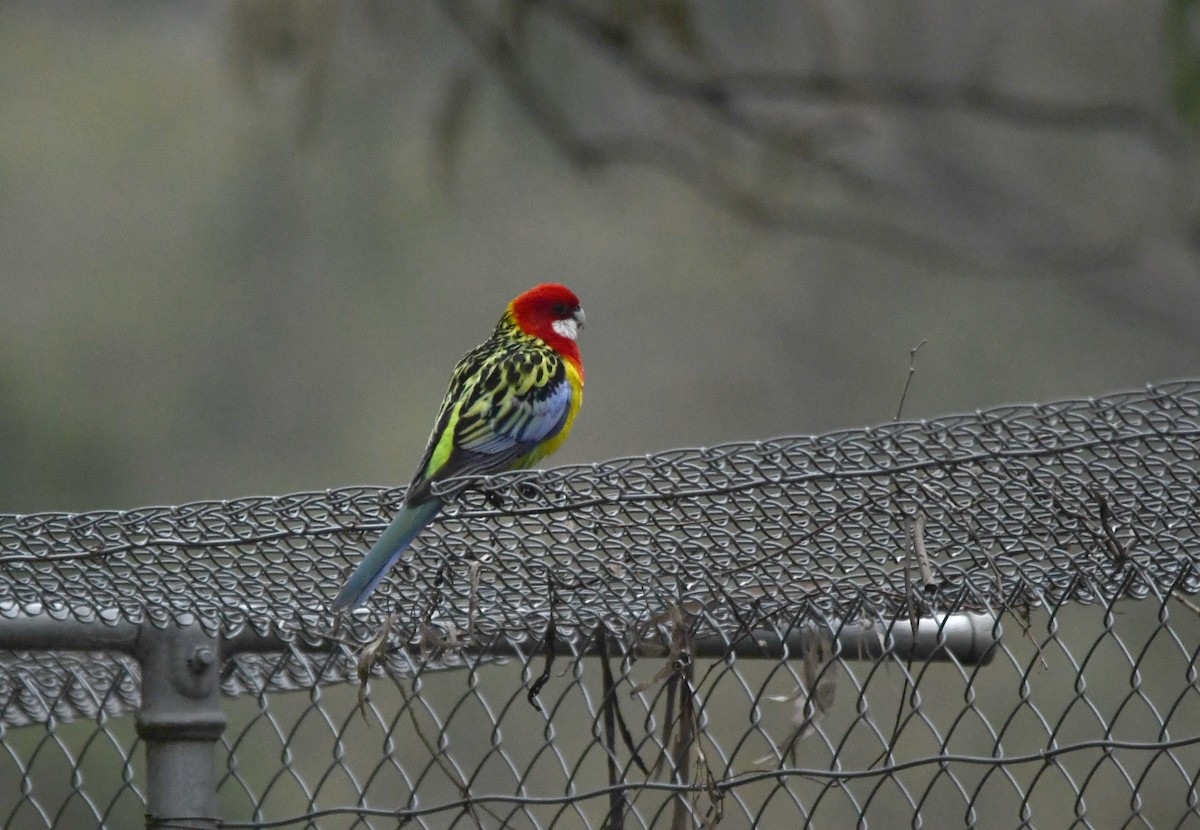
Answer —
549 645
912 370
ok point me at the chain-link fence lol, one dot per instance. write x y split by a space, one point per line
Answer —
982 620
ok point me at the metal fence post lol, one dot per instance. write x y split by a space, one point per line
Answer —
180 721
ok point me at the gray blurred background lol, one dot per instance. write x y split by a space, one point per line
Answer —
242 245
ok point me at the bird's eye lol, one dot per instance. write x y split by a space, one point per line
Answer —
560 308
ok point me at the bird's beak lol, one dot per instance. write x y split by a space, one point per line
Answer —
580 318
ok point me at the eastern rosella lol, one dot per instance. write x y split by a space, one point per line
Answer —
511 402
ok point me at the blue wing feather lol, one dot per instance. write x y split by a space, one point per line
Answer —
527 424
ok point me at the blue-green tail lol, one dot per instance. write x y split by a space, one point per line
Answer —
379 560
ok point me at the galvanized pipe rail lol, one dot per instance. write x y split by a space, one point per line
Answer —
181 718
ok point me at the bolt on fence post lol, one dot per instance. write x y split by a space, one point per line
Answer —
180 721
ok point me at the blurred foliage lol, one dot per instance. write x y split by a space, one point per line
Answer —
1183 37
293 35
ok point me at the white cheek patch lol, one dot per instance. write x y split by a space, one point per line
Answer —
567 328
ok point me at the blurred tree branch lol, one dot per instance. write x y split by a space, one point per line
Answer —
719 91
769 145
723 123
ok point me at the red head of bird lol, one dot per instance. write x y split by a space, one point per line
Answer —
551 312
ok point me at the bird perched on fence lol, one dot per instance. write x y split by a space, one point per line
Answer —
512 401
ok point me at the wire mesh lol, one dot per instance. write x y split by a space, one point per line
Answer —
653 641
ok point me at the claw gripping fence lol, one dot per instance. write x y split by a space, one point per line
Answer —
983 620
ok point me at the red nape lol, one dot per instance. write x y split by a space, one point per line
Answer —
536 312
